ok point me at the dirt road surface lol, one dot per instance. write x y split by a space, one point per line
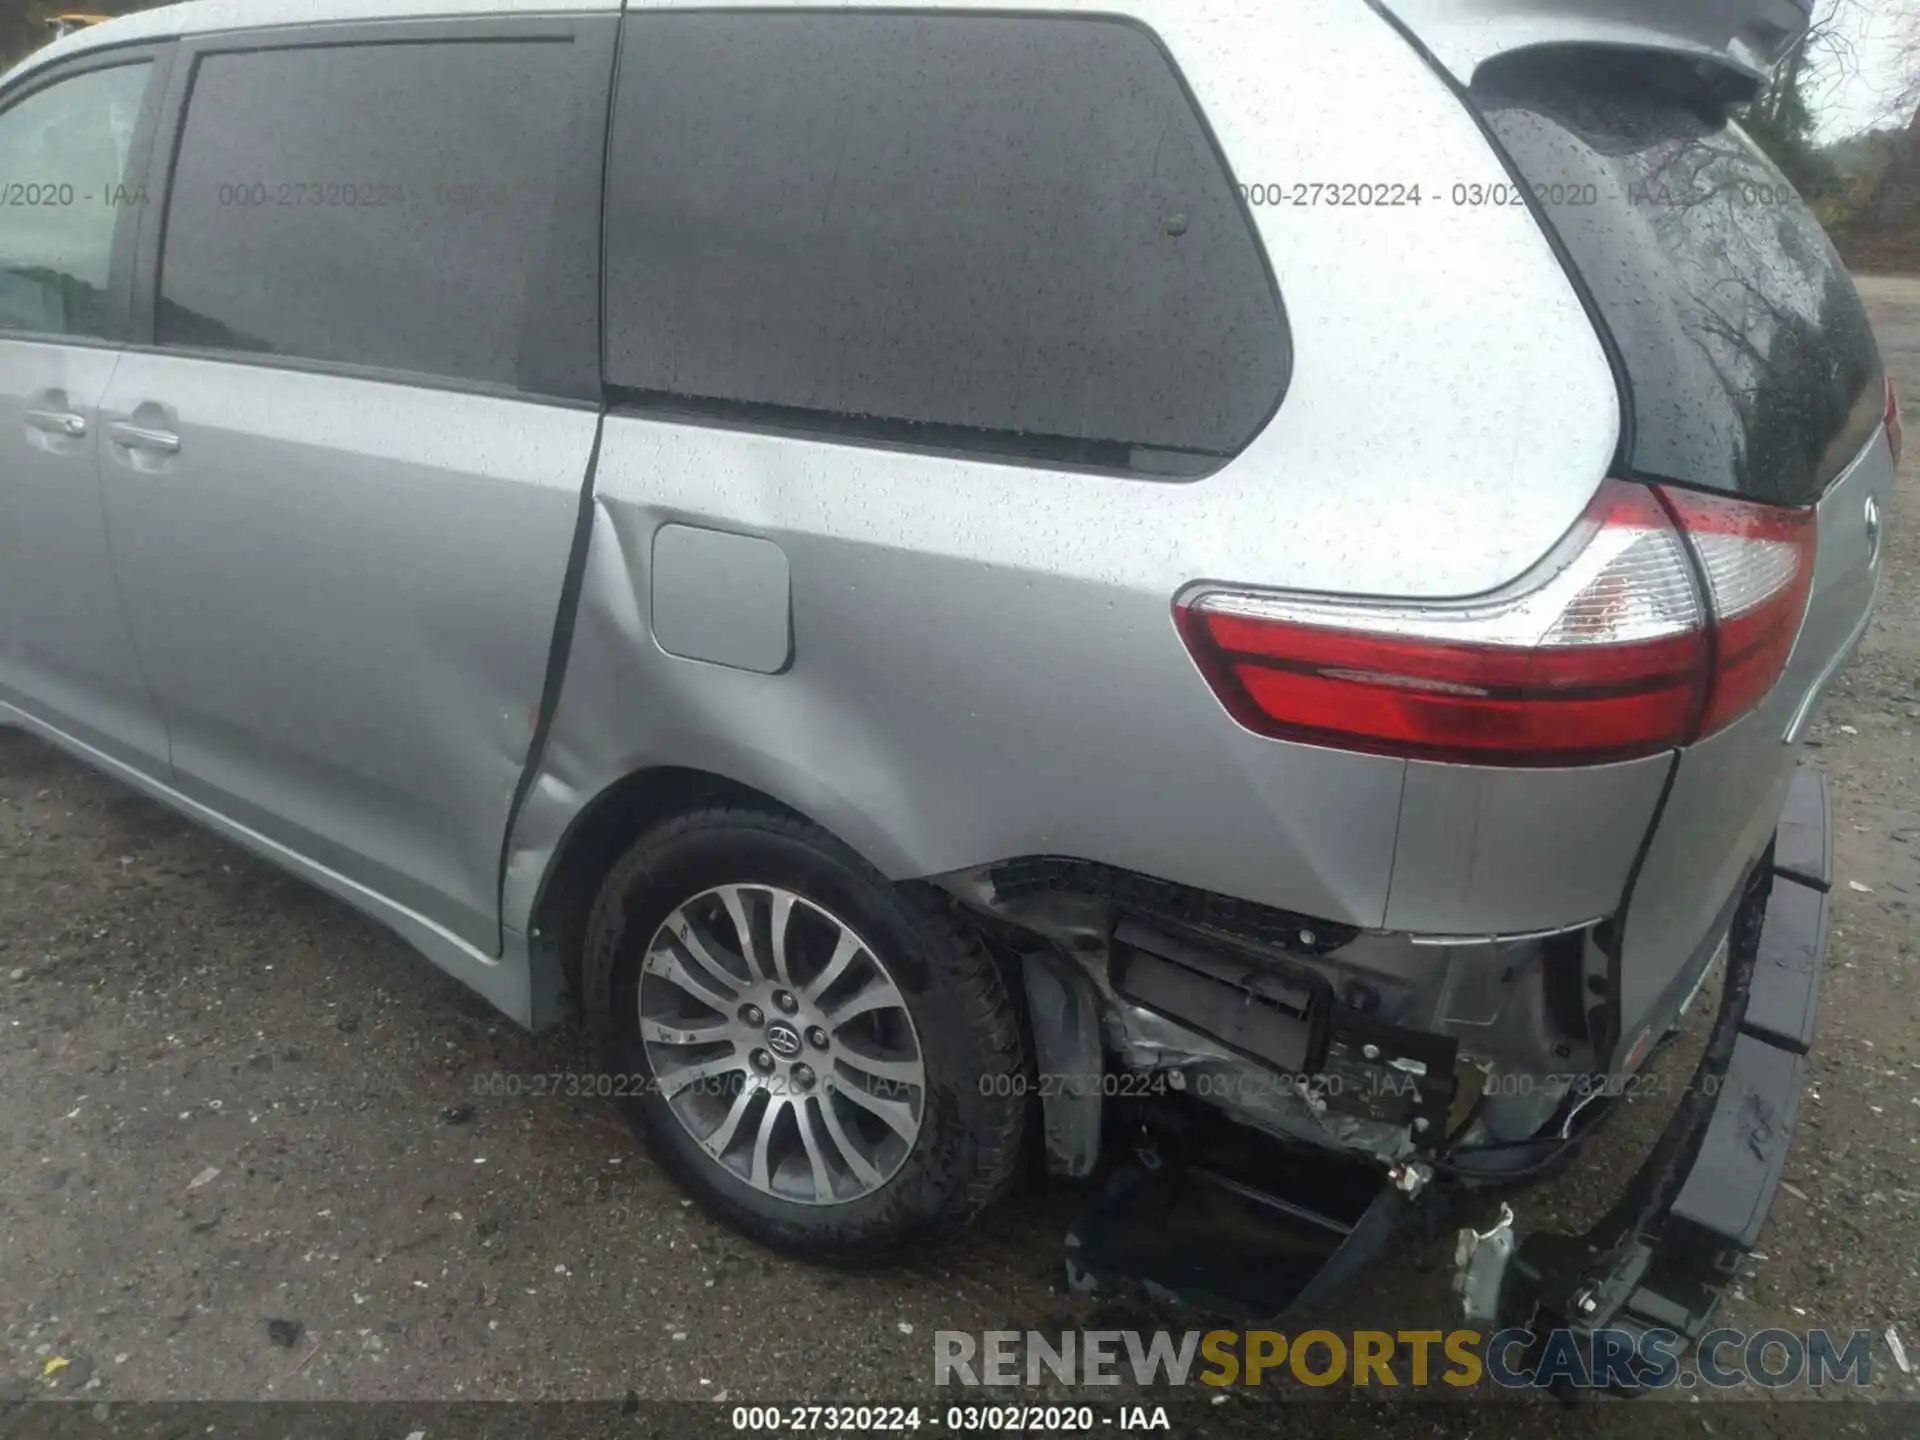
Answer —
226 1101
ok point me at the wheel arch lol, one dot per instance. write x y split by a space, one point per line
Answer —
600 831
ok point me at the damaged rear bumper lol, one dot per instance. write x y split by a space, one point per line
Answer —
1696 1206
1189 1219
1212 1190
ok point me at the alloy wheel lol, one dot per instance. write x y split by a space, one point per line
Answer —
781 1043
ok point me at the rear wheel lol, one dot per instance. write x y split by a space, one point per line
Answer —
822 1057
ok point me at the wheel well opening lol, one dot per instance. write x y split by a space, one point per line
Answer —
612 821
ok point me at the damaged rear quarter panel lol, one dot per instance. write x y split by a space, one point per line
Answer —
984 661
959 691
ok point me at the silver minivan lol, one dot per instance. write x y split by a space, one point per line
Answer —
957 582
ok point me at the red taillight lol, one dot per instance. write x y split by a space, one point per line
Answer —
1758 560
1894 436
1602 652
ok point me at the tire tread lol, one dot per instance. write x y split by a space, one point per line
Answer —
996 1133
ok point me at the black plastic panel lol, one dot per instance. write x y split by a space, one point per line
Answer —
1786 975
1686 1309
1803 846
1065 1019
1732 1183
1252 1007
1128 890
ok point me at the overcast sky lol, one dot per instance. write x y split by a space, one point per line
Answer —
1847 103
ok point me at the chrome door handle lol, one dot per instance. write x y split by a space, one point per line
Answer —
58 422
139 437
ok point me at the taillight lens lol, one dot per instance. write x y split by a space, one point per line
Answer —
1894 436
1758 560
1604 651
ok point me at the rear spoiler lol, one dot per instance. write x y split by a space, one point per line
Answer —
1745 38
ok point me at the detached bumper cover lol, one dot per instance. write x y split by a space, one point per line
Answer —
1211 1214
1696 1207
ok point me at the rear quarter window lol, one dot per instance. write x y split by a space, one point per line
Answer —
1002 234
383 205
1751 365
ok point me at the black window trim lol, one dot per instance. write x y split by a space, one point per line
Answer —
940 440
572 379
157 55
904 437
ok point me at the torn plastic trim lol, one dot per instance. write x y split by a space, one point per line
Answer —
1063 1014
1396 975
1697 1204
1250 1026
1194 1218
1480 1260
1145 895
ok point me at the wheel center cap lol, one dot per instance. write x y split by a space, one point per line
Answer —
783 1040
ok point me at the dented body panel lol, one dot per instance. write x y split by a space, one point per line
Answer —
984 663
1728 790
370 702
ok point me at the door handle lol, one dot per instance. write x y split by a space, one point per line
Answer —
58 422
140 437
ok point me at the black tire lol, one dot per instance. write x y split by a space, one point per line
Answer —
967 1151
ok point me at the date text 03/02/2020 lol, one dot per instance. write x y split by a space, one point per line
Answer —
963 1419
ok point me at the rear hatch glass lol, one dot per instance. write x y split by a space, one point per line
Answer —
1749 368
1749 362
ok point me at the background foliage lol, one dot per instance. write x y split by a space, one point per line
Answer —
23 26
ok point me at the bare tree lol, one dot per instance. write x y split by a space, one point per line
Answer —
1825 60
1894 198
23 23
1906 98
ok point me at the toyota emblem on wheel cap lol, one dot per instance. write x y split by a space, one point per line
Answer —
783 1040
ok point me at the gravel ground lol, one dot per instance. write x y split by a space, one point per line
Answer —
253 1147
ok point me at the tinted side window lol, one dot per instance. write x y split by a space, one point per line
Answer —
1001 233
1752 366
385 205
63 158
